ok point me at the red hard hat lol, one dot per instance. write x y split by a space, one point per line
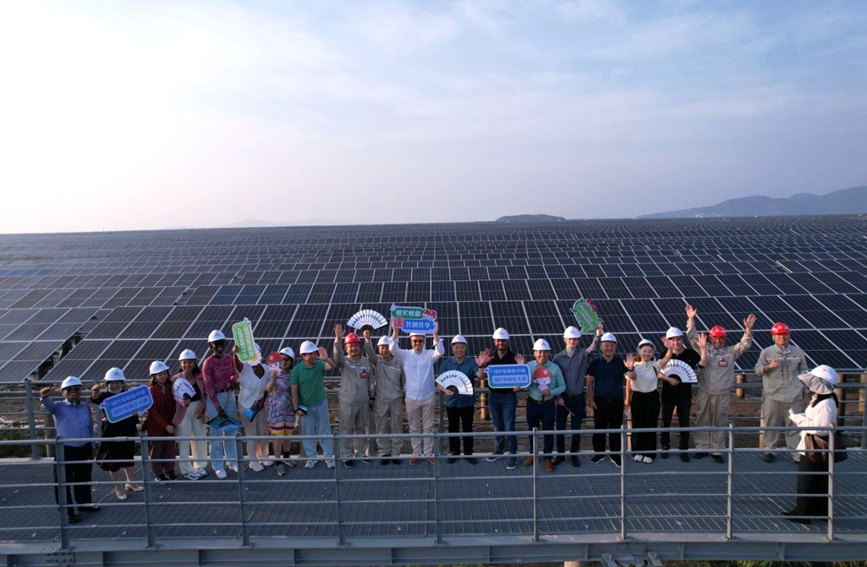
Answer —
351 338
780 329
717 333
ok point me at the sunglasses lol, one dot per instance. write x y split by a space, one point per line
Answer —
417 341
73 388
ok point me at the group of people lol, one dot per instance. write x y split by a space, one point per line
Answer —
388 380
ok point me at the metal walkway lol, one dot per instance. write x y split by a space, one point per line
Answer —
437 514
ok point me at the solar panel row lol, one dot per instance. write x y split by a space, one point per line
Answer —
136 297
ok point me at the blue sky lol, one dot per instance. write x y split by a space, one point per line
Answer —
148 115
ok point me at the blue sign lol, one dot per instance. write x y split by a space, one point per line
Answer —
121 406
425 326
508 375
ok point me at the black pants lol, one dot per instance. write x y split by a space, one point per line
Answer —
607 415
668 407
461 419
77 468
812 488
576 406
645 415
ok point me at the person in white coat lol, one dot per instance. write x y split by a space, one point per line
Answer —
813 477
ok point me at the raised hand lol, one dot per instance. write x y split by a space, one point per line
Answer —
665 342
519 358
702 340
366 334
629 361
323 354
749 322
46 391
338 331
94 390
691 311
483 358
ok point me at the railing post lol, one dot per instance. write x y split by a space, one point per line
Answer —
31 419
534 451
730 488
341 541
62 502
622 482
437 527
146 482
242 472
739 392
830 484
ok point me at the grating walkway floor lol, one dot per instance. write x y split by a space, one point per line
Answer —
437 501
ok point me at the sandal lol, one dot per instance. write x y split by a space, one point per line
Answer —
133 487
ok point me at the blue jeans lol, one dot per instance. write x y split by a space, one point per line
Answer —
316 422
543 414
218 439
577 405
503 407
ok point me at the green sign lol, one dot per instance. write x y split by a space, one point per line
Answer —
243 334
586 315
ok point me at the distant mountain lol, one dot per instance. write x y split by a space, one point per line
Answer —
852 201
530 219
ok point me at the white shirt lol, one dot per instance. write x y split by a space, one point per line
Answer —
418 368
823 414
252 387
646 377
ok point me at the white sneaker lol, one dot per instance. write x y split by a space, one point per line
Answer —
638 458
201 473
266 463
256 466
233 467
192 476
220 473
309 464
329 463
648 460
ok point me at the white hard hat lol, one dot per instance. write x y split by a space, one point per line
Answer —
307 347
114 375
287 352
385 341
825 372
502 334
673 332
541 344
416 334
608 337
70 381
216 335
459 339
157 366
644 342
187 354
571 333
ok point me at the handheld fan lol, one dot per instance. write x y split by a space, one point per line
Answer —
367 317
681 369
182 386
456 381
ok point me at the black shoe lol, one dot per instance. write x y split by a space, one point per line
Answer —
616 460
718 459
768 457
684 457
700 455
558 459
74 519
576 462
396 461
664 453
452 460
91 508
494 457
383 460
596 459
348 464
171 475
472 460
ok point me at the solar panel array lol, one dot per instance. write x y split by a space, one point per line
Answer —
141 296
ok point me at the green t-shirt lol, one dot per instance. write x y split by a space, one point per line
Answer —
310 382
